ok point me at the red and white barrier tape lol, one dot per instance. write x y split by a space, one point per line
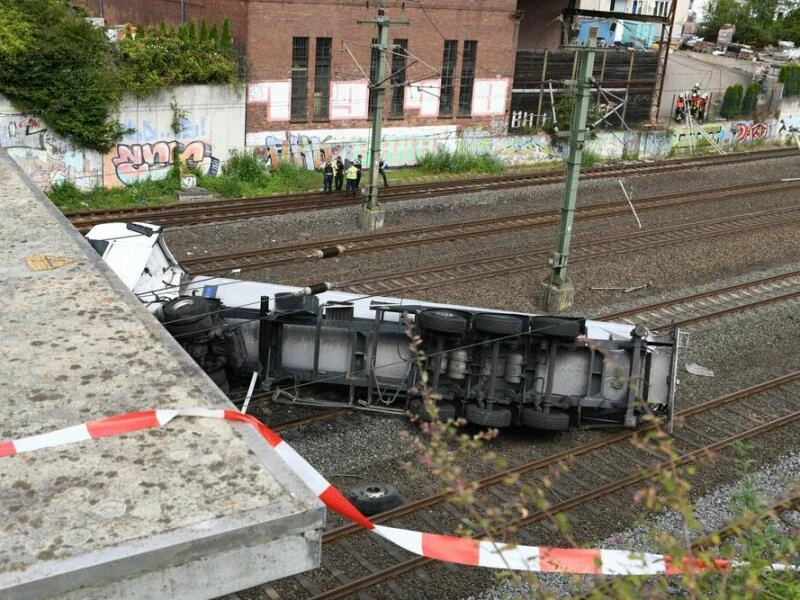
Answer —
447 548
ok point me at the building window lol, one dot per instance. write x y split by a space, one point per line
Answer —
448 75
613 6
373 75
468 57
399 61
322 78
637 7
660 8
299 78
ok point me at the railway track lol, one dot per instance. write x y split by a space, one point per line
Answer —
725 420
593 482
384 241
427 277
214 211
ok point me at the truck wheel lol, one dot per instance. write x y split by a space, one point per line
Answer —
374 498
417 407
556 327
187 315
498 324
488 417
443 320
552 421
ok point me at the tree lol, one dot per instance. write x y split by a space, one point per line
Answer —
754 20
717 14
213 35
790 78
60 71
226 40
732 102
788 28
750 102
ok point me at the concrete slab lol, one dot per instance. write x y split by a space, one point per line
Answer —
196 509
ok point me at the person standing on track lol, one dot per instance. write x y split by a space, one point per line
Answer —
327 177
382 172
352 176
357 164
338 176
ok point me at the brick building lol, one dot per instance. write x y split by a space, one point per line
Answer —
309 63
451 68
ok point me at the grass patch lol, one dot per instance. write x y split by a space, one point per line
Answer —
66 196
443 161
589 158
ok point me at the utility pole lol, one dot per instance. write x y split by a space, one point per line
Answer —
559 292
371 210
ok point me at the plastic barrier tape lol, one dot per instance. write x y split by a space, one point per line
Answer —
465 551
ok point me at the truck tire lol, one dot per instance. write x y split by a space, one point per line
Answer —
488 417
186 315
374 498
556 327
498 324
417 407
550 421
443 320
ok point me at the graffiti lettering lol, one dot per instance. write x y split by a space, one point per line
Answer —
522 119
301 150
746 131
46 158
311 151
136 162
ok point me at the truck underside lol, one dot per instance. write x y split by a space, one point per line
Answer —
490 367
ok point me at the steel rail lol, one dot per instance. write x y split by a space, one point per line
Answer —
515 262
554 459
415 236
211 211
326 415
570 504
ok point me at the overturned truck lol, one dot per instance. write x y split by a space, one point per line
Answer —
493 368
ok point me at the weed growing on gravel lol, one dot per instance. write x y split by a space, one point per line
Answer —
444 447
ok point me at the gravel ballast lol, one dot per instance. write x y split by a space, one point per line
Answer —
741 350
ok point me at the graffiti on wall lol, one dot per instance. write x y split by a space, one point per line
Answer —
46 158
512 149
747 131
614 145
686 137
655 144
310 149
132 163
310 152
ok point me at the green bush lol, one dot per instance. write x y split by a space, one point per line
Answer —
66 196
589 158
750 102
732 101
789 76
246 174
60 73
291 177
444 161
246 167
58 67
